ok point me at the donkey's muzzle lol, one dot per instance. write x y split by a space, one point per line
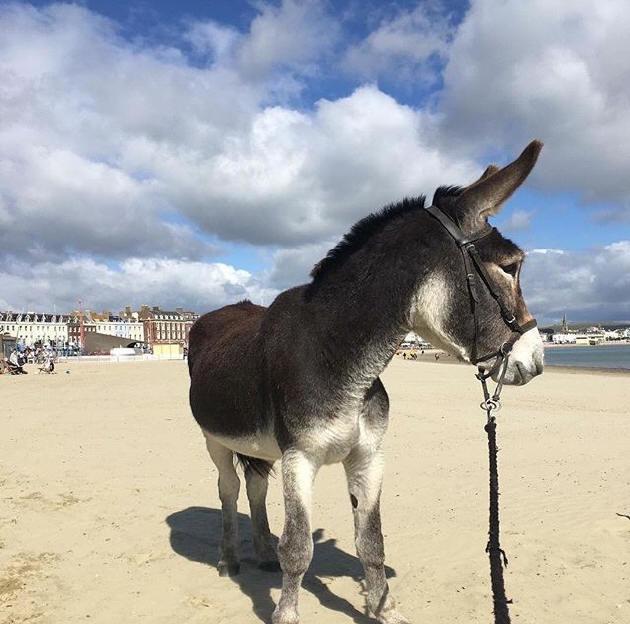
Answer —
526 360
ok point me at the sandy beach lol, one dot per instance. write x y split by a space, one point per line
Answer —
110 510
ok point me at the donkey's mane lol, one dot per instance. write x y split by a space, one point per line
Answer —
364 229
361 231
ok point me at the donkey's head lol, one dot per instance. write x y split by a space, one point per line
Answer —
444 309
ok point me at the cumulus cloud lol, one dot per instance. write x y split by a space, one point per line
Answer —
106 134
586 285
409 46
549 69
293 265
136 281
119 153
294 35
517 221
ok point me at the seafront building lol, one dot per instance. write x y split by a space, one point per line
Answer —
156 328
104 323
563 338
30 328
166 330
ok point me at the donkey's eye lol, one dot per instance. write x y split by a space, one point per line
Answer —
510 269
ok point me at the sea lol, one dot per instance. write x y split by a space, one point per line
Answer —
600 356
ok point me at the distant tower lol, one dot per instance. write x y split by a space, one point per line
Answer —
565 327
81 328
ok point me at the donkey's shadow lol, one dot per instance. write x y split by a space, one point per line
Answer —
196 533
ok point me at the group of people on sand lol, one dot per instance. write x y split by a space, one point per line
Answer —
44 357
413 355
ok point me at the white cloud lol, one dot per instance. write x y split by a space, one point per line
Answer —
117 154
136 281
517 221
403 48
292 266
212 40
586 285
102 138
293 35
550 69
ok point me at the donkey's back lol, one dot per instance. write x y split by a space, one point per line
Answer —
224 361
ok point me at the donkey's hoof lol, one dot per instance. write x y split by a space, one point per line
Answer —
285 616
228 569
392 617
269 566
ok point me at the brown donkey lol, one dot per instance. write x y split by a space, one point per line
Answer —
299 380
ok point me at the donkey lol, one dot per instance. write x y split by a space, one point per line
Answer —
299 380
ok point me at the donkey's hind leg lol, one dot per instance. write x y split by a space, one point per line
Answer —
229 485
364 471
256 480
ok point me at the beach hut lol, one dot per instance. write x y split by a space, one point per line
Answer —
168 351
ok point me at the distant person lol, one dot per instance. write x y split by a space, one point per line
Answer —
185 353
16 363
48 363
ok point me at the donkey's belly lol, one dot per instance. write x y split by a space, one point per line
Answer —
262 446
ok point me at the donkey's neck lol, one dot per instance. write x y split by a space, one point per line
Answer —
363 308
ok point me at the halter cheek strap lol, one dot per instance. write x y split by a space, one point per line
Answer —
474 267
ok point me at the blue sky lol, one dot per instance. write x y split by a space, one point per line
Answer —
150 144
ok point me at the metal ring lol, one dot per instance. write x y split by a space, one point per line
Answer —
491 405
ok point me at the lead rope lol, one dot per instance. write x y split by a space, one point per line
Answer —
496 554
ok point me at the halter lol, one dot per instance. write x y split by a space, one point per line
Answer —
471 259
491 403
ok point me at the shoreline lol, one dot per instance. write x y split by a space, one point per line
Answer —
571 345
429 357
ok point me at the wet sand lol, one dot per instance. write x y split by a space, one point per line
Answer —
110 511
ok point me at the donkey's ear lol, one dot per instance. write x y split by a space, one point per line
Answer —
495 186
490 170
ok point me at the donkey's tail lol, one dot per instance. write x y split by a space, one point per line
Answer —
260 466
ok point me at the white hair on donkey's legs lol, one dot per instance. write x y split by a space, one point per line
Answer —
295 549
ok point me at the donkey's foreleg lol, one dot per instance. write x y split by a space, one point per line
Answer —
364 471
257 495
229 485
296 544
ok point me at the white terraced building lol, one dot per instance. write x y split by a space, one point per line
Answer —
30 328
123 328
129 328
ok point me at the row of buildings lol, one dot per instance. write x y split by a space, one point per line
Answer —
593 335
149 325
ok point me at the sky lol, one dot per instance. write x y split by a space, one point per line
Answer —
196 153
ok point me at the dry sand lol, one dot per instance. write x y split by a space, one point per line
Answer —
109 505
